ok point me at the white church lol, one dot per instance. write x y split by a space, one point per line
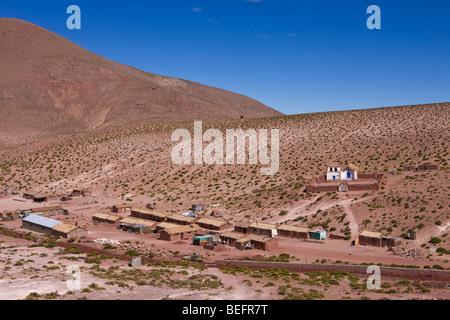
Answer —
334 172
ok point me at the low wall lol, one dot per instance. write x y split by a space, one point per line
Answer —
400 273
374 185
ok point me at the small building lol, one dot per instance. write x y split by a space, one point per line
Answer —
263 229
81 192
252 241
52 227
49 211
180 219
106 218
288 231
393 242
214 224
369 238
165 225
179 233
30 194
318 234
39 224
230 238
149 215
335 173
122 208
67 231
43 197
139 226
241 227
412 235
201 240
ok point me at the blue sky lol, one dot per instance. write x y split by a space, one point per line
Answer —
295 56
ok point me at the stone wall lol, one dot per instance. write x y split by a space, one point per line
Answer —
399 273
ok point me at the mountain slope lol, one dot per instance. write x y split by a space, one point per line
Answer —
49 84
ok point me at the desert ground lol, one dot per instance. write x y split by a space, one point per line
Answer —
134 164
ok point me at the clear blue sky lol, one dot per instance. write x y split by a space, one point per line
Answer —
295 56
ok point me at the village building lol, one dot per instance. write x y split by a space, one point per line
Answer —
67 231
165 225
288 231
49 211
81 192
149 215
180 219
229 238
106 218
376 239
252 241
138 226
122 208
263 229
214 224
49 226
369 238
241 227
335 173
30 194
43 197
179 233
318 234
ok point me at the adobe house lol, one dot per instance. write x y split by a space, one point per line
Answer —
241 227
165 225
335 173
179 233
122 208
149 215
288 231
369 238
49 211
213 224
180 219
263 229
67 231
81 192
30 194
40 197
230 238
106 218
252 241
135 225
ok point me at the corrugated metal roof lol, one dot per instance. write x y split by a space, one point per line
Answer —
42 221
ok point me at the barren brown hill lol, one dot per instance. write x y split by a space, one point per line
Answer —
49 84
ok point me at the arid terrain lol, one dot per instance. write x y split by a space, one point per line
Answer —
73 120
134 164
